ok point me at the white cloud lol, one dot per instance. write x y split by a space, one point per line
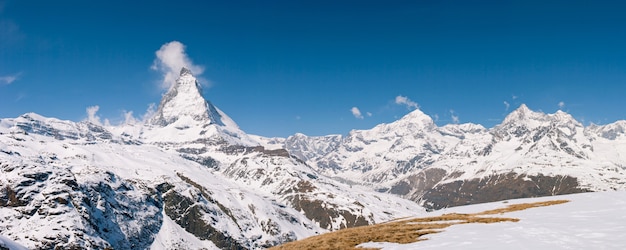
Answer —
129 118
403 100
514 97
356 112
91 115
561 105
149 113
436 117
507 106
171 57
454 116
9 79
369 114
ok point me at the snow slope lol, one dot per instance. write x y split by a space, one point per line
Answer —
6 243
589 221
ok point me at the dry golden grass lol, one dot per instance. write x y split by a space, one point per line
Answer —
404 231
522 206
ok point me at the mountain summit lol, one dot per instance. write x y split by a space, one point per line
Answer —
184 102
184 115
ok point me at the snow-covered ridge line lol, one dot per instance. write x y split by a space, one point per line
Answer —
414 158
187 179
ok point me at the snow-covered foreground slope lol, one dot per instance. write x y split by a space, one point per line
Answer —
589 221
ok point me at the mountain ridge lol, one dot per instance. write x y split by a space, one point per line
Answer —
423 162
190 171
84 185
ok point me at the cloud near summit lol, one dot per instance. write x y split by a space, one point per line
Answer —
403 100
170 58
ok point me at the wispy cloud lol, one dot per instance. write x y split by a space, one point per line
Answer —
454 116
403 100
92 115
129 118
9 79
170 58
149 112
507 105
356 112
561 105
369 114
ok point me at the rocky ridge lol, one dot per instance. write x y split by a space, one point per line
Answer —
529 154
187 179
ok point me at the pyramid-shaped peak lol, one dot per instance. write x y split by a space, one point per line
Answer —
523 108
523 113
185 71
419 117
184 103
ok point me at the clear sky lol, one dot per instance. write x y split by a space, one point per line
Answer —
281 67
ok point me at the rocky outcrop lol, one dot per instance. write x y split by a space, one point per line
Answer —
496 188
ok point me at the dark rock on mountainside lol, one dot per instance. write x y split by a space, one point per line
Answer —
496 188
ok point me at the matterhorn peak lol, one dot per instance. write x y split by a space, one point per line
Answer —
184 103
185 71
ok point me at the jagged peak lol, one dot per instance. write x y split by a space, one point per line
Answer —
560 115
523 113
523 108
412 122
525 117
184 102
609 131
185 71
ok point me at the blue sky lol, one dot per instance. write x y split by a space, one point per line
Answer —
280 67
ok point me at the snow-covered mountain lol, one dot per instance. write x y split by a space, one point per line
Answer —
188 178
529 154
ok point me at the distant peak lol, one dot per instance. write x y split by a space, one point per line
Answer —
185 71
523 107
418 117
521 114
522 110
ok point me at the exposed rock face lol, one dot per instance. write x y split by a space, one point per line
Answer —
80 214
417 160
325 213
188 179
496 188
184 100
189 215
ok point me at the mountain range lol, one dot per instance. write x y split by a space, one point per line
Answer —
190 178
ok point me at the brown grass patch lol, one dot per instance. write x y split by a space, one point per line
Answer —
404 231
